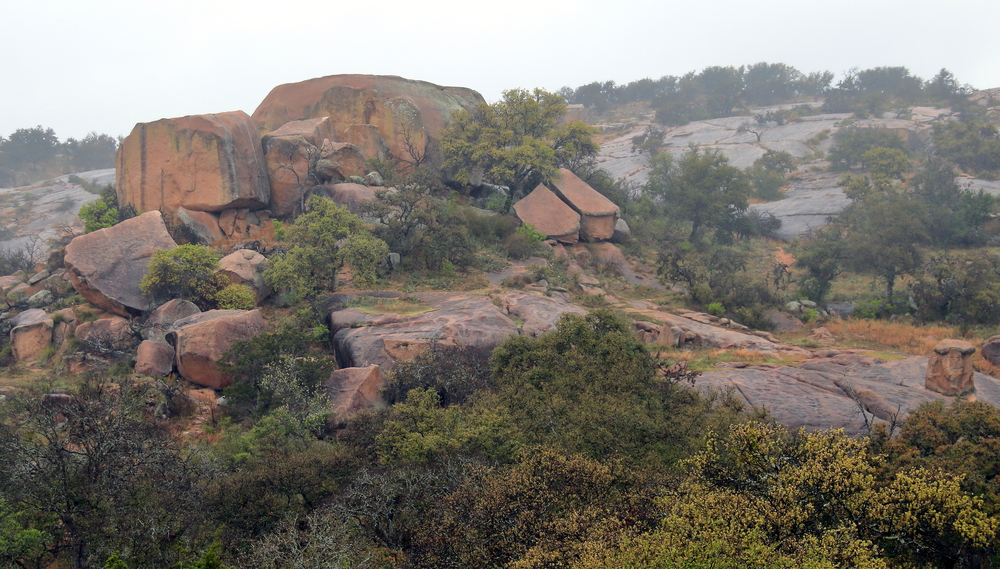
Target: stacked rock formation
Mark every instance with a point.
(571, 211)
(949, 368)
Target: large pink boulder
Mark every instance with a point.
(347, 194)
(154, 358)
(247, 268)
(106, 266)
(108, 336)
(549, 215)
(32, 333)
(355, 388)
(162, 319)
(409, 115)
(200, 162)
(598, 214)
(200, 341)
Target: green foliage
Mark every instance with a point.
(365, 255)
(852, 144)
(821, 256)
(768, 174)
(104, 212)
(702, 187)
(715, 309)
(516, 142)
(236, 297)
(882, 162)
(973, 146)
(959, 288)
(956, 215)
(312, 261)
(455, 373)
(22, 546)
(187, 272)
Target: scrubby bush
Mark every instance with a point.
(365, 255)
(186, 271)
(236, 297)
(104, 212)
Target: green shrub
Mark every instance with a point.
(186, 271)
(365, 255)
(236, 297)
(715, 309)
(104, 212)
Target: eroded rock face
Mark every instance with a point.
(387, 339)
(32, 333)
(162, 319)
(246, 267)
(409, 115)
(949, 368)
(200, 341)
(355, 388)
(538, 314)
(598, 214)
(107, 335)
(549, 215)
(106, 266)
(339, 161)
(203, 225)
(201, 162)
(991, 350)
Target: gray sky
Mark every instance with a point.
(104, 65)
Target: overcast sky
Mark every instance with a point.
(103, 65)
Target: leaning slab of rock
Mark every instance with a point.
(949, 368)
(409, 115)
(291, 153)
(598, 214)
(208, 162)
(203, 225)
(32, 333)
(246, 267)
(106, 266)
(549, 215)
(200, 341)
(387, 339)
(154, 358)
(339, 161)
(355, 388)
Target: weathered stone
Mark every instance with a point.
(991, 350)
(670, 336)
(41, 298)
(339, 161)
(949, 368)
(106, 266)
(246, 267)
(202, 162)
(200, 341)
(367, 138)
(38, 277)
(154, 358)
(9, 282)
(362, 339)
(409, 115)
(291, 153)
(355, 388)
(346, 194)
(783, 322)
(204, 225)
(598, 214)
(31, 333)
(233, 222)
(538, 314)
(623, 233)
(609, 256)
(106, 335)
(162, 320)
(549, 215)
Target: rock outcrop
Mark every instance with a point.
(538, 314)
(409, 115)
(162, 319)
(154, 358)
(362, 339)
(31, 333)
(598, 214)
(949, 368)
(106, 266)
(246, 267)
(200, 341)
(108, 336)
(201, 224)
(830, 389)
(355, 388)
(549, 215)
(208, 162)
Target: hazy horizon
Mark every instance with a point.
(106, 65)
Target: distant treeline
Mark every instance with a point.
(31, 154)
(723, 91)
